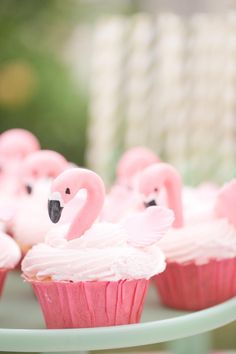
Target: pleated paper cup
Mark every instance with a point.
(3, 274)
(91, 303)
(196, 287)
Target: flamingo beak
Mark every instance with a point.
(29, 188)
(55, 207)
(151, 202)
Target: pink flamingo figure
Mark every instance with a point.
(134, 161)
(15, 145)
(41, 165)
(194, 251)
(30, 222)
(163, 176)
(123, 198)
(141, 229)
(191, 204)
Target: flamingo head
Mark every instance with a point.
(17, 144)
(133, 162)
(156, 181)
(151, 184)
(68, 184)
(62, 191)
(41, 165)
(226, 202)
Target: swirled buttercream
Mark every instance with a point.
(214, 239)
(102, 253)
(10, 253)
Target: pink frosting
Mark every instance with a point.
(104, 252)
(211, 232)
(214, 239)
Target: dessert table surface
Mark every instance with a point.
(23, 330)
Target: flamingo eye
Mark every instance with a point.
(67, 191)
(155, 189)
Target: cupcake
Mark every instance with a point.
(90, 274)
(201, 256)
(9, 257)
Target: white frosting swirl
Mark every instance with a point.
(102, 253)
(10, 253)
(214, 239)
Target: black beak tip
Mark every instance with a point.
(54, 210)
(150, 203)
(28, 189)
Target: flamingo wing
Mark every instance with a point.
(148, 227)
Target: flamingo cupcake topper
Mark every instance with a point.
(65, 187)
(37, 173)
(15, 145)
(40, 165)
(133, 162)
(158, 176)
(142, 228)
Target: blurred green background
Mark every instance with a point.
(38, 90)
(44, 90)
(44, 68)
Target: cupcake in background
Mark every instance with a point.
(9, 257)
(90, 273)
(31, 221)
(201, 256)
(15, 145)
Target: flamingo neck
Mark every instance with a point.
(173, 188)
(90, 210)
